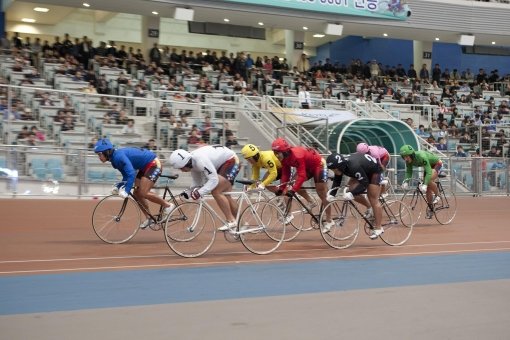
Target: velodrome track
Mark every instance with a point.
(59, 281)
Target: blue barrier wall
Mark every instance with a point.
(394, 51)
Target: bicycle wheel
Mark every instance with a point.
(190, 229)
(346, 220)
(415, 202)
(261, 228)
(446, 209)
(397, 222)
(116, 220)
(294, 219)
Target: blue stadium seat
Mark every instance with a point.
(95, 175)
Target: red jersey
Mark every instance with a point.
(307, 162)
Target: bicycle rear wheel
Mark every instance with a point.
(190, 229)
(446, 209)
(346, 220)
(415, 203)
(116, 220)
(397, 222)
(260, 228)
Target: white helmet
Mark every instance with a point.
(179, 158)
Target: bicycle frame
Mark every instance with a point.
(243, 197)
(154, 218)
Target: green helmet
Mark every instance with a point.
(406, 150)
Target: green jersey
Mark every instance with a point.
(425, 159)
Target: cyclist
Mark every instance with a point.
(431, 164)
(383, 158)
(218, 166)
(308, 164)
(364, 172)
(378, 152)
(128, 161)
(265, 160)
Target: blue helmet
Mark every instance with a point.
(103, 145)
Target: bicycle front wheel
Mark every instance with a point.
(397, 223)
(345, 229)
(261, 227)
(415, 203)
(190, 229)
(446, 209)
(116, 220)
(295, 218)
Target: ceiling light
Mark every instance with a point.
(494, 43)
(155, 13)
(437, 39)
(385, 34)
(305, 28)
(28, 20)
(318, 35)
(86, 4)
(41, 9)
(226, 20)
(261, 23)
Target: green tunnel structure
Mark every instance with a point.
(392, 134)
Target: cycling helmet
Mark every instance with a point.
(362, 148)
(249, 150)
(280, 145)
(336, 161)
(406, 150)
(103, 145)
(179, 159)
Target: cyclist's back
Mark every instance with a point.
(138, 158)
(215, 155)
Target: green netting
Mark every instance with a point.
(391, 134)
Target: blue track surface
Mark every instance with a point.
(76, 291)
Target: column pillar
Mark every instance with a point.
(422, 54)
(291, 53)
(149, 24)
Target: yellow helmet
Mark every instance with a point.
(249, 150)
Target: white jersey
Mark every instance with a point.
(206, 161)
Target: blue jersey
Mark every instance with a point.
(130, 160)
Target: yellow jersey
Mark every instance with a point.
(268, 161)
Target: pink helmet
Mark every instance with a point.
(362, 148)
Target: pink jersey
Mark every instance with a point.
(378, 152)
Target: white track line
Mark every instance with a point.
(242, 252)
(251, 261)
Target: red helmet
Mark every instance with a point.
(280, 145)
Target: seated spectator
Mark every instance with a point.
(60, 117)
(103, 103)
(466, 138)
(151, 145)
(205, 129)
(45, 100)
(102, 85)
(231, 141)
(23, 134)
(165, 112)
(113, 114)
(460, 152)
(494, 152)
(31, 140)
(68, 124)
(441, 145)
(26, 114)
(421, 131)
(39, 135)
(90, 89)
(129, 127)
(122, 119)
(139, 92)
(194, 136)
